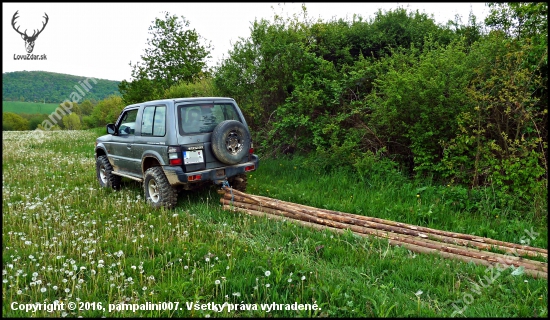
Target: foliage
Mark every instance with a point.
(416, 99)
(87, 106)
(519, 19)
(200, 88)
(106, 111)
(50, 87)
(34, 120)
(139, 90)
(301, 81)
(72, 122)
(502, 140)
(402, 88)
(174, 54)
(13, 122)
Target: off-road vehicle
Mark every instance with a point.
(176, 144)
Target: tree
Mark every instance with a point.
(87, 107)
(72, 122)
(174, 54)
(12, 121)
(520, 19)
(106, 111)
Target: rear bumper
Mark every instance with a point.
(176, 175)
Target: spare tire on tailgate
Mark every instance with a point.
(230, 141)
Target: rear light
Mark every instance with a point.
(249, 168)
(194, 177)
(174, 156)
(175, 162)
(251, 150)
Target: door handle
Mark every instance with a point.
(129, 146)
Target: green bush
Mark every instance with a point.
(14, 122)
(200, 88)
(501, 140)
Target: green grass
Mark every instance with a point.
(28, 107)
(65, 239)
(394, 197)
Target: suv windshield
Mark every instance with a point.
(204, 117)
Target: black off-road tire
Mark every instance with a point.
(230, 141)
(238, 182)
(158, 191)
(104, 174)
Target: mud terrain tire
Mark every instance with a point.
(158, 191)
(104, 173)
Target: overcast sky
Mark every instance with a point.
(100, 39)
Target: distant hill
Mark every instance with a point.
(42, 86)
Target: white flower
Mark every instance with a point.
(217, 282)
(267, 273)
(42, 289)
(303, 278)
(418, 293)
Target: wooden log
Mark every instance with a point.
(356, 220)
(470, 252)
(412, 247)
(486, 242)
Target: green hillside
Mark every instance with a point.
(28, 107)
(50, 87)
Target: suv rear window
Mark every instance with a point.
(204, 117)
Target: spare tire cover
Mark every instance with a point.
(230, 141)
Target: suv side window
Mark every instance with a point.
(154, 121)
(128, 123)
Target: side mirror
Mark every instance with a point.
(111, 128)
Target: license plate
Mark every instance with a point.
(190, 157)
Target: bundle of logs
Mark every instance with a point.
(465, 247)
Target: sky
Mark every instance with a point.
(99, 40)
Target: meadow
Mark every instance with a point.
(68, 242)
(28, 107)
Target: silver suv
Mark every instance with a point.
(176, 144)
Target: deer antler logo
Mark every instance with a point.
(29, 41)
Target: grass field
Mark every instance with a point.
(28, 107)
(68, 242)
